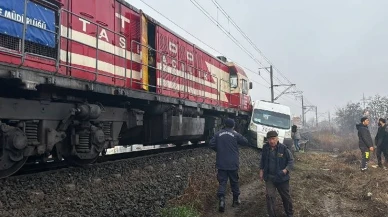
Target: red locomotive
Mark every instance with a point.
(80, 76)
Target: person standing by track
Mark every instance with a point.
(381, 141)
(295, 135)
(275, 165)
(365, 142)
(225, 143)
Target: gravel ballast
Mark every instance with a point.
(134, 187)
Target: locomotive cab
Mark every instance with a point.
(239, 86)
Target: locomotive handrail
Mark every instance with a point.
(21, 51)
(230, 103)
(98, 27)
(56, 33)
(156, 68)
(161, 69)
(24, 34)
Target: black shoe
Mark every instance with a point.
(221, 206)
(236, 202)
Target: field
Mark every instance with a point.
(323, 183)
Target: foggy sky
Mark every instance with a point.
(334, 51)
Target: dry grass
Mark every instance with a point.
(328, 141)
(324, 184)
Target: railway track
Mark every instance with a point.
(40, 167)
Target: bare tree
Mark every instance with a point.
(348, 117)
(377, 108)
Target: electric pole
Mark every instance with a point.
(329, 118)
(271, 76)
(316, 114)
(289, 86)
(303, 119)
(363, 99)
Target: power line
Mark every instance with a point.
(248, 39)
(225, 31)
(212, 48)
(195, 3)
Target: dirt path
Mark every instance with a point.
(249, 197)
(321, 185)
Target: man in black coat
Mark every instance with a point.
(275, 165)
(225, 143)
(381, 141)
(365, 142)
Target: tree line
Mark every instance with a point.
(373, 107)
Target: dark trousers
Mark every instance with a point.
(284, 191)
(222, 177)
(365, 154)
(379, 150)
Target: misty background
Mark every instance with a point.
(334, 51)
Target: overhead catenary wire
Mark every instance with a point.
(226, 32)
(215, 50)
(209, 46)
(248, 39)
(230, 20)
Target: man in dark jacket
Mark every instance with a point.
(275, 165)
(381, 141)
(225, 143)
(365, 142)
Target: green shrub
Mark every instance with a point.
(180, 211)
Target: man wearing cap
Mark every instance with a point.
(275, 165)
(364, 142)
(225, 143)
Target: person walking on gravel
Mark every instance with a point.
(295, 135)
(275, 165)
(225, 143)
(381, 141)
(365, 142)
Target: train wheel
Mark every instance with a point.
(13, 142)
(9, 168)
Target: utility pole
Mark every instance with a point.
(303, 122)
(329, 119)
(273, 98)
(316, 114)
(363, 99)
(271, 76)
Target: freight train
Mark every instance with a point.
(80, 76)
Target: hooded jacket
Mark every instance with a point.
(381, 138)
(364, 137)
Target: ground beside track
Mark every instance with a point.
(322, 185)
(136, 187)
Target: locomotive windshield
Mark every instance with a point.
(233, 81)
